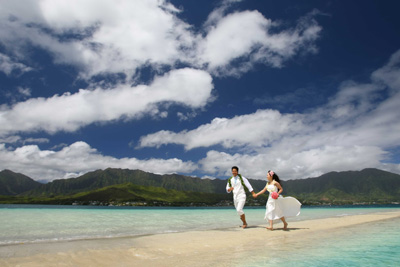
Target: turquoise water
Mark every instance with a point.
(371, 244)
(42, 223)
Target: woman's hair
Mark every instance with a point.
(275, 177)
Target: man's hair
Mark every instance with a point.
(235, 167)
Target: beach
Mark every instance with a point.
(218, 247)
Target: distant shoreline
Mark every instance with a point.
(204, 206)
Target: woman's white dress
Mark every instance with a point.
(282, 206)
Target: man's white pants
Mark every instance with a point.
(239, 204)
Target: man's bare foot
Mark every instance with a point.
(270, 228)
(285, 226)
(244, 226)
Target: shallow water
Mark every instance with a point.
(370, 244)
(43, 223)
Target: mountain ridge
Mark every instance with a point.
(365, 186)
(12, 183)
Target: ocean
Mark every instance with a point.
(370, 244)
(375, 244)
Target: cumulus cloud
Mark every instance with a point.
(260, 128)
(77, 159)
(208, 177)
(35, 140)
(355, 129)
(15, 139)
(10, 139)
(8, 66)
(69, 112)
(98, 36)
(251, 38)
(103, 37)
(295, 163)
(187, 116)
(389, 74)
(26, 92)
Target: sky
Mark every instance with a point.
(195, 87)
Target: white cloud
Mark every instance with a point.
(10, 139)
(248, 36)
(69, 112)
(16, 95)
(354, 130)
(295, 163)
(109, 37)
(26, 92)
(258, 129)
(389, 74)
(234, 36)
(77, 159)
(7, 65)
(208, 177)
(103, 37)
(187, 116)
(35, 140)
(15, 139)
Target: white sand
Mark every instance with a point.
(198, 248)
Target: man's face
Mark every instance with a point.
(234, 172)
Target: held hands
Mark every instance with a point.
(230, 189)
(254, 194)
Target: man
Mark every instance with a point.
(237, 183)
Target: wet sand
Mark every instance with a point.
(223, 247)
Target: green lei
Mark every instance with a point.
(241, 180)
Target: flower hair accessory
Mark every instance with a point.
(271, 173)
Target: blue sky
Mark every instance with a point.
(195, 87)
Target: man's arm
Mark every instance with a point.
(248, 185)
(228, 189)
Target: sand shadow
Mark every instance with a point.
(290, 229)
(252, 226)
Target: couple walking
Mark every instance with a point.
(278, 207)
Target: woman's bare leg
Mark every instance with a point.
(285, 224)
(270, 225)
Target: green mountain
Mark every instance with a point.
(121, 185)
(101, 178)
(126, 194)
(368, 185)
(12, 183)
(104, 186)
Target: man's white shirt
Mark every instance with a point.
(238, 190)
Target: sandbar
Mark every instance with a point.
(221, 247)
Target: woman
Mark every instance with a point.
(282, 206)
